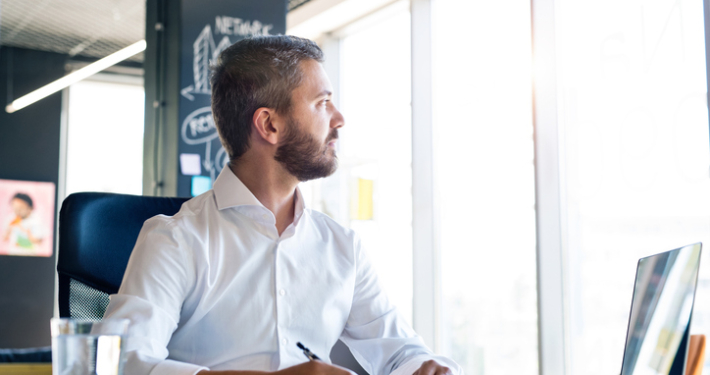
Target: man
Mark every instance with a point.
(242, 273)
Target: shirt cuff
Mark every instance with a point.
(413, 364)
(170, 367)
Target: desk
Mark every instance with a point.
(26, 369)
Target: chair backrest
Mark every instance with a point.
(97, 232)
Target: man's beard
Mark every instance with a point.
(303, 156)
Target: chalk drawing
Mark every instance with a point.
(236, 26)
(198, 127)
(205, 51)
(201, 49)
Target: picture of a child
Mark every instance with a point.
(24, 232)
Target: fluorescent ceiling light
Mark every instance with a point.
(75, 77)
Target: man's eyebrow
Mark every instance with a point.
(324, 93)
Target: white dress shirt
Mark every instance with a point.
(216, 287)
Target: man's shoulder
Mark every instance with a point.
(190, 212)
(325, 222)
(324, 219)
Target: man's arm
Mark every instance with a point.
(156, 281)
(379, 337)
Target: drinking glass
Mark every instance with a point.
(87, 347)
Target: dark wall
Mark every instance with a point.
(29, 150)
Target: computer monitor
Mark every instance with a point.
(661, 312)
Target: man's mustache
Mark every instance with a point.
(332, 136)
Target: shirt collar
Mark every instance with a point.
(230, 191)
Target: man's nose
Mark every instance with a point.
(338, 120)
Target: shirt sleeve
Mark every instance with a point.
(155, 284)
(378, 336)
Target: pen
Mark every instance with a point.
(307, 352)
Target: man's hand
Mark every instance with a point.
(430, 367)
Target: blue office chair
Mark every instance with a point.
(97, 232)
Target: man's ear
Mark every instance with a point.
(263, 123)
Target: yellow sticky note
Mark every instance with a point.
(364, 199)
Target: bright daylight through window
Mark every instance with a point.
(636, 159)
(485, 176)
(113, 113)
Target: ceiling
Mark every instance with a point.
(92, 28)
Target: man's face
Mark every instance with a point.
(21, 208)
(307, 150)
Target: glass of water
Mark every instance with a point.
(86, 347)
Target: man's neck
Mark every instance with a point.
(274, 189)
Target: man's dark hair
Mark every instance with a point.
(252, 73)
(24, 197)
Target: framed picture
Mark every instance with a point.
(26, 218)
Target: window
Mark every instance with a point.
(483, 157)
(633, 117)
(375, 102)
(105, 136)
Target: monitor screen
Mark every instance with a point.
(661, 310)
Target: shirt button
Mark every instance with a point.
(265, 216)
(282, 292)
(284, 341)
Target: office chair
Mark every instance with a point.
(97, 232)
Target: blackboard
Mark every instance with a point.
(207, 28)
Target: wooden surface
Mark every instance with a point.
(26, 368)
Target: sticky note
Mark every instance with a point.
(190, 164)
(200, 184)
(362, 200)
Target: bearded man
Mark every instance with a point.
(241, 274)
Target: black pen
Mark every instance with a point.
(307, 352)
